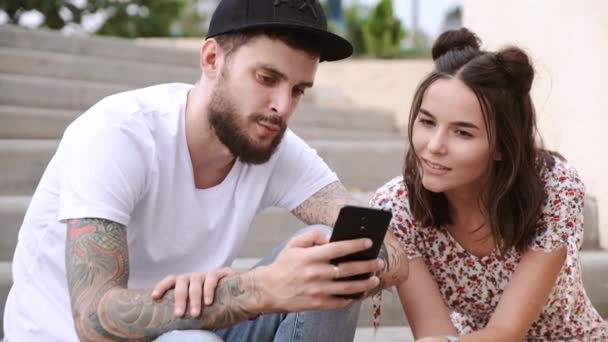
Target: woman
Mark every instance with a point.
(491, 222)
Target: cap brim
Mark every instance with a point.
(332, 46)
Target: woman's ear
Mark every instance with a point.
(497, 155)
(210, 58)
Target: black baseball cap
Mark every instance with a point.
(300, 15)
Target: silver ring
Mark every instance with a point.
(336, 272)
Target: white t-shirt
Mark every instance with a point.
(126, 160)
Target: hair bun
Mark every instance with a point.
(455, 40)
(517, 66)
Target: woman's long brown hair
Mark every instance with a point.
(513, 192)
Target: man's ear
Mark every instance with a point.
(211, 58)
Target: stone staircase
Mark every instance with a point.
(46, 80)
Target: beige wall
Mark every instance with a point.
(388, 85)
(568, 41)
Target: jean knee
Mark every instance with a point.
(189, 336)
(320, 227)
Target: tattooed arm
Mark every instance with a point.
(97, 264)
(323, 208)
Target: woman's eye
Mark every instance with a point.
(463, 133)
(426, 122)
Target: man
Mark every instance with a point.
(167, 180)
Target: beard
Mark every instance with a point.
(231, 127)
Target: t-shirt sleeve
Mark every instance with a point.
(393, 197)
(103, 169)
(298, 174)
(561, 222)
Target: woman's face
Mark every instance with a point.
(450, 138)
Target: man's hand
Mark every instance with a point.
(191, 287)
(302, 277)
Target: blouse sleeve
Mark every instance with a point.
(561, 223)
(393, 197)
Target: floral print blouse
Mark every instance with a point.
(471, 286)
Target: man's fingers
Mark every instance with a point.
(352, 268)
(351, 286)
(209, 287)
(308, 239)
(181, 295)
(163, 286)
(338, 249)
(211, 282)
(195, 293)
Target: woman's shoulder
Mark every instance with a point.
(392, 192)
(561, 177)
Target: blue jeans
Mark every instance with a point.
(315, 326)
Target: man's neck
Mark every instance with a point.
(211, 160)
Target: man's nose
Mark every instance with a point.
(282, 103)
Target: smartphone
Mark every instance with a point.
(360, 222)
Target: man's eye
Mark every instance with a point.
(265, 79)
(298, 92)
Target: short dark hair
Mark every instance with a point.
(513, 191)
(304, 41)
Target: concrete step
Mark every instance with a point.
(96, 69)
(77, 96)
(269, 229)
(17, 122)
(384, 334)
(41, 92)
(309, 133)
(6, 280)
(12, 211)
(22, 162)
(95, 46)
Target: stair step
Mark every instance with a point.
(79, 95)
(95, 46)
(12, 211)
(95, 69)
(33, 91)
(268, 230)
(18, 122)
(384, 334)
(22, 162)
(6, 280)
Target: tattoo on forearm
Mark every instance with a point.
(396, 267)
(324, 205)
(98, 269)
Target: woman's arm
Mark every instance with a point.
(426, 311)
(524, 298)
(520, 305)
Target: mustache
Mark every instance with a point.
(271, 119)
